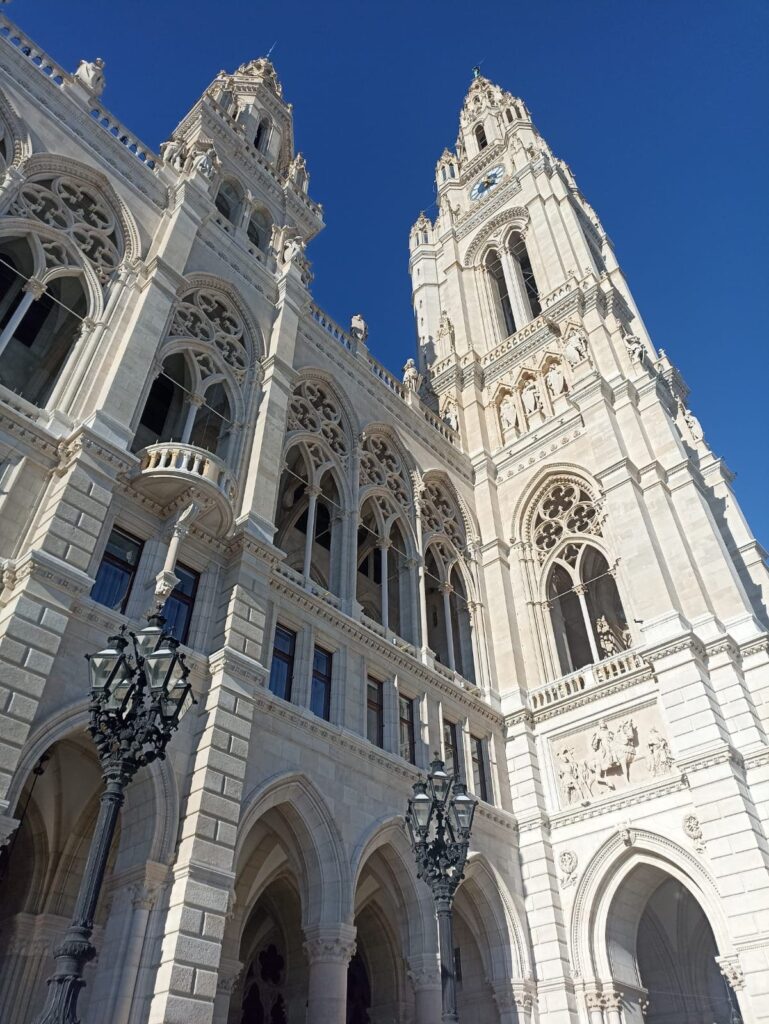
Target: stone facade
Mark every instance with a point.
(523, 555)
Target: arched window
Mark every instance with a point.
(500, 294)
(259, 229)
(527, 285)
(228, 201)
(180, 407)
(452, 171)
(308, 523)
(385, 581)
(262, 137)
(38, 329)
(443, 173)
(480, 137)
(589, 621)
(509, 115)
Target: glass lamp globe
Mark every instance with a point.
(111, 674)
(463, 806)
(440, 783)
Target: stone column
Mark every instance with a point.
(329, 949)
(446, 590)
(425, 976)
(309, 539)
(203, 875)
(384, 566)
(143, 898)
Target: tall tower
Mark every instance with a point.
(615, 559)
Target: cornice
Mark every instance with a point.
(40, 565)
(609, 805)
(597, 692)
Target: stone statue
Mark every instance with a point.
(555, 380)
(607, 641)
(358, 327)
(627, 638)
(174, 153)
(412, 378)
(450, 416)
(297, 172)
(635, 348)
(694, 425)
(90, 73)
(660, 758)
(575, 349)
(446, 330)
(530, 395)
(205, 163)
(602, 742)
(508, 416)
(571, 776)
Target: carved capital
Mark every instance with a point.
(35, 287)
(424, 971)
(335, 945)
(731, 969)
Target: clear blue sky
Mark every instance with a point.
(660, 107)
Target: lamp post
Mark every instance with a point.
(439, 820)
(139, 692)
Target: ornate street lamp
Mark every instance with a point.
(439, 820)
(139, 692)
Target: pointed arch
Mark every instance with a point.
(608, 868)
(486, 901)
(535, 490)
(42, 165)
(158, 778)
(18, 145)
(325, 881)
(385, 839)
(252, 335)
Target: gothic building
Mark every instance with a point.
(523, 555)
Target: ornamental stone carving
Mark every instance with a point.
(575, 348)
(330, 947)
(440, 515)
(315, 410)
(358, 328)
(381, 466)
(568, 862)
(412, 378)
(508, 415)
(79, 211)
(209, 316)
(693, 829)
(565, 508)
(610, 756)
(90, 73)
(731, 969)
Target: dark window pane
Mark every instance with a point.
(282, 667)
(406, 722)
(180, 602)
(480, 786)
(320, 691)
(450, 747)
(375, 712)
(115, 575)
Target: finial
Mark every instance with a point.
(477, 71)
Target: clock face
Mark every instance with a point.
(487, 182)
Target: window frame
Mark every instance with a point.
(185, 599)
(325, 679)
(409, 722)
(453, 745)
(378, 709)
(480, 774)
(285, 658)
(110, 559)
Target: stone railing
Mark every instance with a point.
(15, 37)
(171, 458)
(118, 131)
(380, 372)
(563, 689)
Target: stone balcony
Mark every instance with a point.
(627, 665)
(169, 469)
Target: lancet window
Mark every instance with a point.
(41, 315)
(229, 200)
(586, 613)
(480, 137)
(446, 581)
(500, 294)
(197, 397)
(386, 578)
(258, 230)
(512, 286)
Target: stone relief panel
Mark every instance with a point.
(611, 754)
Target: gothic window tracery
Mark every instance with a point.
(80, 212)
(209, 316)
(565, 509)
(313, 409)
(382, 466)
